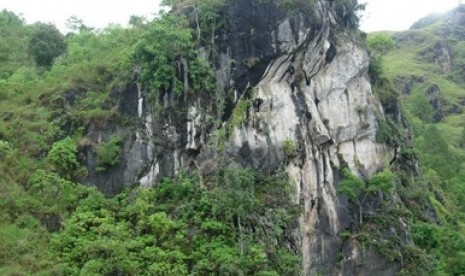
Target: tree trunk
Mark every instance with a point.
(240, 233)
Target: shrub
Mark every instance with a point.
(425, 235)
(382, 181)
(56, 193)
(290, 148)
(351, 185)
(239, 114)
(5, 147)
(62, 156)
(108, 153)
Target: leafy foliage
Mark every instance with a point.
(108, 152)
(239, 114)
(290, 148)
(163, 53)
(14, 36)
(177, 228)
(358, 190)
(62, 156)
(382, 181)
(46, 43)
(57, 193)
(412, 68)
(351, 185)
(199, 225)
(379, 45)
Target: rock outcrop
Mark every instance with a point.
(295, 80)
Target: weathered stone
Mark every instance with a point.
(304, 86)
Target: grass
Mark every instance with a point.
(408, 60)
(441, 158)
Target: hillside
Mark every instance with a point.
(244, 137)
(427, 68)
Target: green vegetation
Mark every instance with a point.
(436, 118)
(239, 113)
(62, 156)
(379, 45)
(46, 43)
(179, 227)
(14, 37)
(54, 90)
(383, 226)
(166, 48)
(108, 153)
(290, 148)
(358, 191)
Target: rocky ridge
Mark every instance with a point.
(298, 84)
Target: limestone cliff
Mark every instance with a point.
(294, 95)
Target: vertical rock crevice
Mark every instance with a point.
(306, 75)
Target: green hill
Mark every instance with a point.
(233, 138)
(427, 69)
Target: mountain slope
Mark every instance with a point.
(427, 68)
(229, 137)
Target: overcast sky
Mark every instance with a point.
(397, 15)
(379, 15)
(94, 13)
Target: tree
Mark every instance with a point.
(76, 24)
(46, 44)
(159, 51)
(137, 21)
(63, 156)
(168, 59)
(13, 43)
(235, 197)
(379, 45)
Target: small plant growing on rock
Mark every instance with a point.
(357, 190)
(361, 110)
(290, 148)
(108, 153)
(345, 235)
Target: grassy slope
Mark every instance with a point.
(409, 61)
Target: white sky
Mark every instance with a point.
(379, 15)
(397, 15)
(94, 13)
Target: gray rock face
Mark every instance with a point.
(440, 55)
(330, 114)
(435, 98)
(304, 77)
